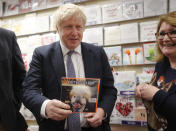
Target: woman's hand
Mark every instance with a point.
(146, 91)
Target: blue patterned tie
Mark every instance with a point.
(73, 119)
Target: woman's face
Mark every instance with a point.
(167, 40)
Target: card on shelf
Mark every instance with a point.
(129, 33)
(132, 9)
(172, 5)
(140, 114)
(38, 4)
(25, 6)
(11, 7)
(48, 38)
(149, 53)
(112, 35)
(112, 12)
(42, 23)
(53, 3)
(125, 81)
(155, 7)
(93, 14)
(123, 109)
(114, 55)
(133, 55)
(148, 30)
(93, 36)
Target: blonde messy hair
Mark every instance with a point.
(169, 18)
(67, 11)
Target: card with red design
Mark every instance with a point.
(123, 109)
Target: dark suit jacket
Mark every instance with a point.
(12, 73)
(46, 70)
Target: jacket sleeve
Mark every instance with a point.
(18, 70)
(32, 85)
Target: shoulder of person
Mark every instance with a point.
(5, 32)
(48, 48)
(92, 47)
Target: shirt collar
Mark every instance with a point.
(65, 50)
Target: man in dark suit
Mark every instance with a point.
(12, 73)
(42, 85)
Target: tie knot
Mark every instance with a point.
(70, 53)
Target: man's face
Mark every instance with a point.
(71, 32)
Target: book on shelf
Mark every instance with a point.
(132, 9)
(148, 30)
(80, 93)
(133, 55)
(114, 55)
(149, 53)
(155, 7)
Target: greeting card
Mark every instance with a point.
(112, 12)
(124, 108)
(25, 6)
(148, 30)
(125, 82)
(112, 35)
(129, 33)
(93, 14)
(114, 55)
(11, 7)
(80, 93)
(133, 55)
(48, 38)
(172, 5)
(140, 114)
(132, 9)
(38, 4)
(93, 36)
(155, 7)
(149, 53)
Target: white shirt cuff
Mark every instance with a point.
(43, 108)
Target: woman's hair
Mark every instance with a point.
(66, 11)
(169, 18)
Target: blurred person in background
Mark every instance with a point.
(12, 73)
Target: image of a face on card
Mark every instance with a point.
(79, 96)
(80, 93)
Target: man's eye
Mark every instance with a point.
(173, 32)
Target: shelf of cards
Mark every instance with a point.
(18, 7)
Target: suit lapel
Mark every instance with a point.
(58, 62)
